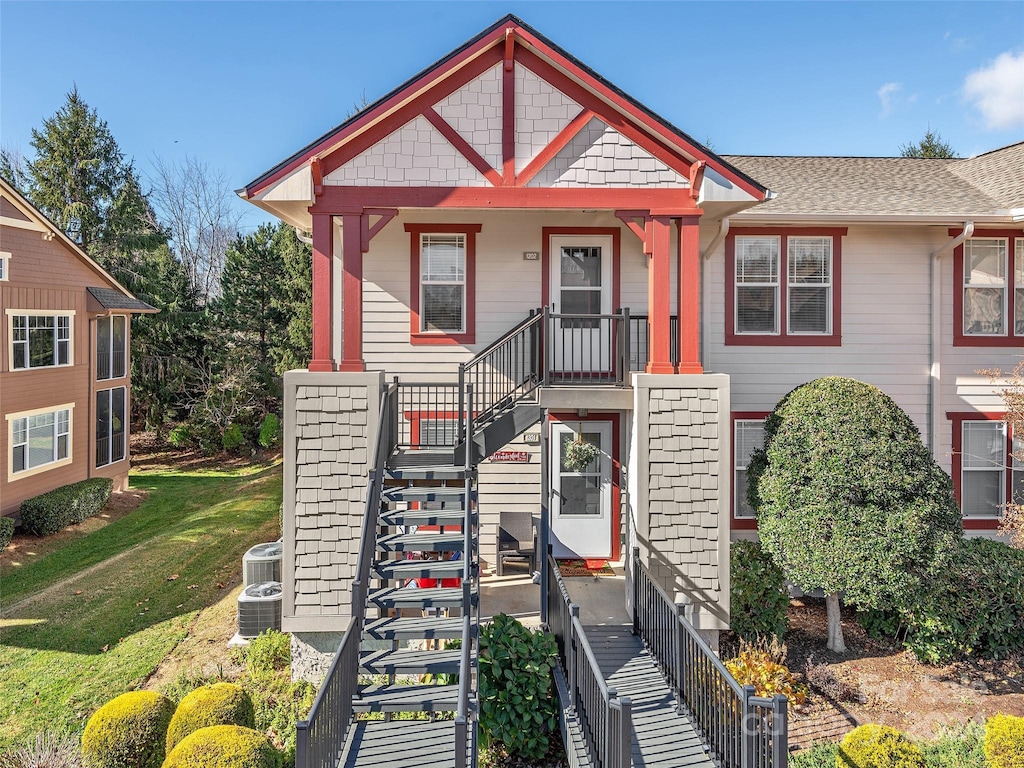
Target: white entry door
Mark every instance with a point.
(581, 285)
(581, 500)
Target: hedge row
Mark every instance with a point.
(64, 506)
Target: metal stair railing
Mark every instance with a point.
(320, 738)
(465, 720)
(739, 728)
(606, 719)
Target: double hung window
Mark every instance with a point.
(748, 437)
(442, 300)
(987, 467)
(989, 291)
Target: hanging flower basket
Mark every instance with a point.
(579, 455)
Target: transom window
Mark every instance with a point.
(40, 341)
(989, 298)
(40, 439)
(111, 347)
(748, 437)
(782, 287)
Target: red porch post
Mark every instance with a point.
(659, 297)
(323, 255)
(689, 294)
(352, 292)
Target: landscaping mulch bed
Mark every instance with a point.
(881, 682)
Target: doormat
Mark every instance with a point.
(570, 568)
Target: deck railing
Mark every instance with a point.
(638, 341)
(427, 414)
(320, 737)
(605, 718)
(582, 350)
(740, 729)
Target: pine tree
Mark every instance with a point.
(295, 301)
(931, 146)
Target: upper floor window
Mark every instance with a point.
(782, 287)
(443, 264)
(986, 469)
(111, 347)
(40, 439)
(989, 294)
(40, 341)
(5, 265)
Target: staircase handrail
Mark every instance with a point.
(465, 722)
(739, 728)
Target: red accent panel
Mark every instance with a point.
(659, 297)
(359, 144)
(740, 523)
(782, 339)
(462, 146)
(689, 295)
(545, 258)
(961, 339)
(416, 336)
(352, 289)
(956, 468)
(337, 199)
(555, 146)
(616, 470)
(323, 242)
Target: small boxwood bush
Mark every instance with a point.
(64, 506)
(217, 704)
(975, 606)
(224, 746)
(518, 707)
(128, 732)
(6, 532)
(878, 746)
(270, 431)
(1004, 741)
(757, 593)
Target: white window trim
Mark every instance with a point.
(777, 286)
(124, 431)
(110, 320)
(462, 283)
(1007, 281)
(11, 417)
(5, 266)
(738, 467)
(12, 313)
(828, 285)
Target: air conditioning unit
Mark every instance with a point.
(259, 608)
(262, 563)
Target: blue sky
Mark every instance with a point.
(242, 85)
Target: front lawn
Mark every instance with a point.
(95, 617)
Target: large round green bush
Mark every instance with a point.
(224, 746)
(217, 704)
(1004, 741)
(128, 732)
(757, 593)
(878, 746)
(6, 532)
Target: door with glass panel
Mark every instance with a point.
(581, 285)
(581, 498)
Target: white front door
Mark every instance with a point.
(581, 284)
(581, 499)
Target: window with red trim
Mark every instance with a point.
(748, 436)
(986, 470)
(783, 286)
(443, 283)
(988, 293)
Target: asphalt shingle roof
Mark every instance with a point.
(988, 184)
(111, 299)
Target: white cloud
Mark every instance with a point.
(997, 91)
(887, 94)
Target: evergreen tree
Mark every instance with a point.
(931, 146)
(295, 301)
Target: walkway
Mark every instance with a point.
(662, 737)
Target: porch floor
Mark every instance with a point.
(662, 737)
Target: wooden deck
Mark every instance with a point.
(662, 737)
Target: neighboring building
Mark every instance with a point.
(65, 369)
(508, 178)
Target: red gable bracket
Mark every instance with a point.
(643, 231)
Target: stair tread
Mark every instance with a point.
(421, 542)
(401, 743)
(417, 627)
(429, 569)
(407, 698)
(425, 517)
(410, 661)
(401, 597)
(425, 493)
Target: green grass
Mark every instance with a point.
(952, 748)
(67, 652)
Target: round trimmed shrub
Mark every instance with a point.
(224, 746)
(758, 596)
(6, 532)
(878, 746)
(1004, 741)
(128, 732)
(217, 704)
